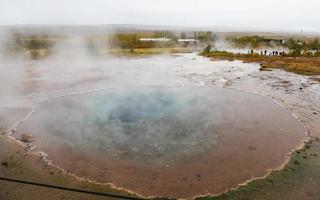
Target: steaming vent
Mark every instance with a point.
(141, 122)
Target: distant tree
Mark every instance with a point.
(183, 36)
(210, 36)
(207, 49)
(315, 45)
(252, 41)
(195, 35)
(295, 46)
(206, 37)
(33, 43)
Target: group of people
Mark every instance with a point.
(271, 53)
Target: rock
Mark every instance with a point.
(265, 69)
(296, 162)
(228, 83)
(285, 82)
(4, 163)
(252, 148)
(26, 138)
(199, 176)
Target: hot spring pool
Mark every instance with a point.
(164, 141)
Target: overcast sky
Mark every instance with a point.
(268, 14)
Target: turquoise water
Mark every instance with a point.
(144, 121)
(138, 105)
(153, 122)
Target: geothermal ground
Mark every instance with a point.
(175, 126)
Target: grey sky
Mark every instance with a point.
(270, 14)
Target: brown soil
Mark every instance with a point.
(19, 163)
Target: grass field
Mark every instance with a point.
(300, 65)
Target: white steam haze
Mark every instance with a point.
(280, 15)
